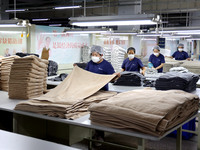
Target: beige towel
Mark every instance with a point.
(78, 85)
(149, 111)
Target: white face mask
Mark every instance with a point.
(95, 59)
(180, 49)
(156, 54)
(131, 56)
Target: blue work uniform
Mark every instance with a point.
(157, 61)
(102, 68)
(180, 55)
(132, 65)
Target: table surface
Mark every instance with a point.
(13, 141)
(8, 105)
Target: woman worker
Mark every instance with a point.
(132, 63)
(157, 59)
(99, 65)
(180, 54)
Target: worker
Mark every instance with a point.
(98, 64)
(132, 63)
(157, 59)
(180, 54)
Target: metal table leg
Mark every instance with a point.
(141, 144)
(90, 140)
(179, 139)
(198, 132)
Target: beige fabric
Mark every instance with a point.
(192, 66)
(63, 110)
(153, 112)
(27, 78)
(78, 85)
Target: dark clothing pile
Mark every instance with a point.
(149, 83)
(81, 65)
(177, 80)
(128, 78)
(61, 77)
(52, 68)
(25, 54)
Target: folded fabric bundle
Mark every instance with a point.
(178, 69)
(68, 111)
(78, 85)
(149, 111)
(128, 78)
(71, 98)
(61, 77)
(192, 66)
(177, 80)
(5, 71)
(27, 77)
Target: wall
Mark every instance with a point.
(10, 38)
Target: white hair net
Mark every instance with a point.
(96, 48)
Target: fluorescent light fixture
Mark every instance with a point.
(147, 39)
(12, 32)
(192, 39)
(148, 34)
(68, 7)
(178, 36)
(114, 23)
(125, 20)
(55, 25)
(87, 31)
(17, 10)
(9, 25)
(42, 19)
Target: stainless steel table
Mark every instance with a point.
(8, 105)
(12, 141)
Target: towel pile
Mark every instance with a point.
(5, 71)
(27, 77)
(128, 78)
(71, 97)
(72, 110)
(149, 111)
(177, 80)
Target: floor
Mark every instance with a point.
(168, 143)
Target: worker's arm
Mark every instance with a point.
(161, 65)
(143, 70)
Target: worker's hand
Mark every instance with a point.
(188, 59)
(117, 74)
(74, 64)
(143, 72)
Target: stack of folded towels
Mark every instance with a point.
(27, 77)
(5, 71)
(149, 111)
(177, 80)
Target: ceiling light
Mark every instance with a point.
(177, 36)
(55, 25)
(87, 31)
(42, 19)
(192, 39)
(148, 34)
(68, 7)
(120, 20)
(17, 10)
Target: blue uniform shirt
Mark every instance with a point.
(133, 65)
(102, 68)
(180, 55)
(157, 61)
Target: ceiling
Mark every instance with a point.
(173, 14)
